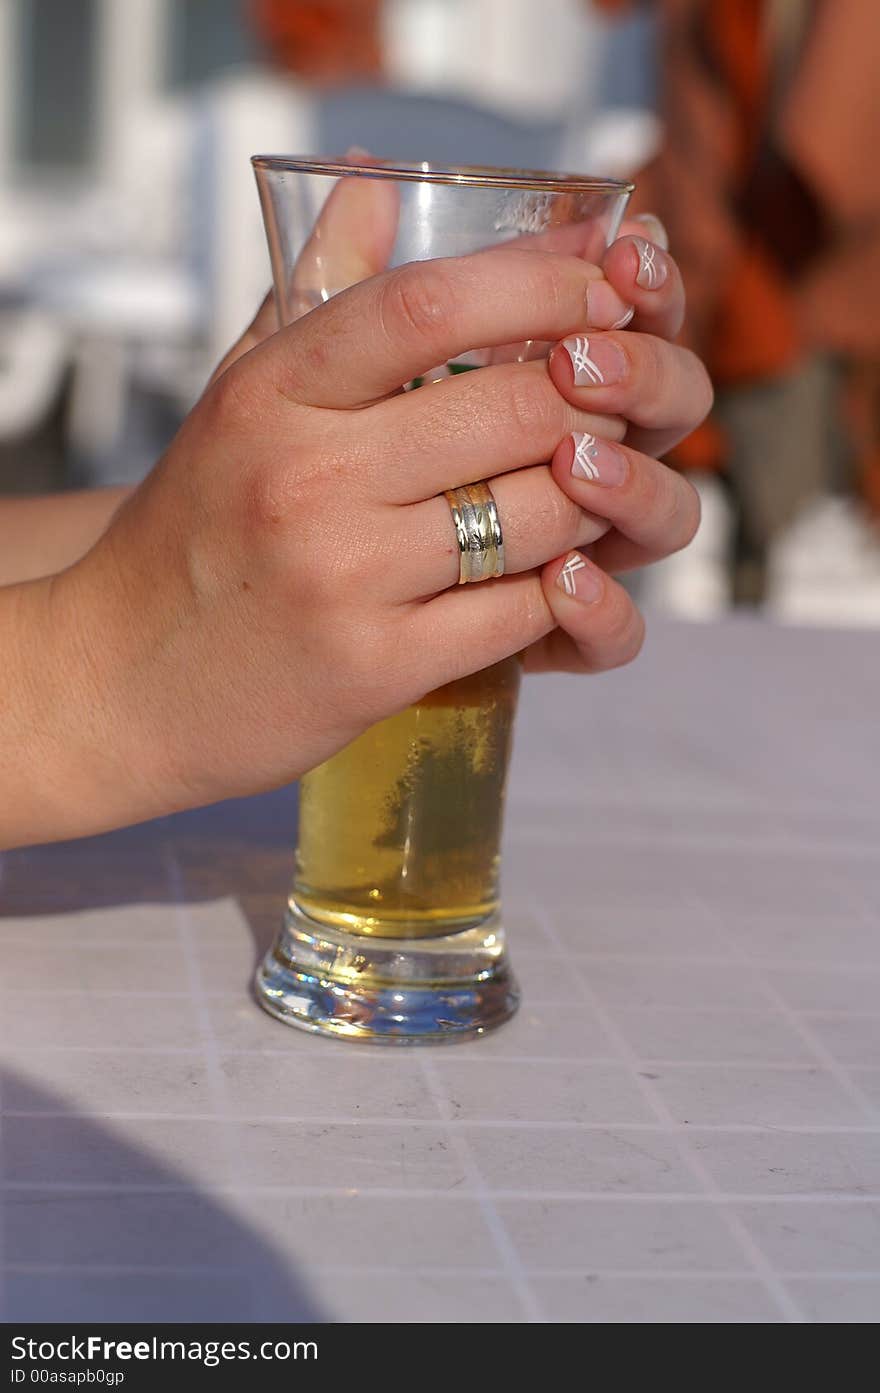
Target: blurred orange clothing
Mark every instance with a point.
(322, 40)
(769, 183)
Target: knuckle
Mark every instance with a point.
(529, 617)
(539, 520)
(534, 408)
(418, 300)
(266, 499)
(312, 363)
(549, 284)
(646, 488)
(666, 507)
(668, 504)
(279, 488)
(223, 404)
(700, 391)
(674, 509)
(525, 615)
(554, 515)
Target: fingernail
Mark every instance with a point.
(654, 228)
(596, 362)
(597, 460)
(579, 579)
(653, 265)
(605, 308)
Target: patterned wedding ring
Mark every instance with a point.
(478, 530)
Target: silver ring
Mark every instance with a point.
(478, 532)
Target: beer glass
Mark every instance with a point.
(393, 931)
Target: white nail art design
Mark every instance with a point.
(625, 318)
(585, 369)
(586, 450)
(566, 575)
(649, 272)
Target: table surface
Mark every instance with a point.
(681, 1124)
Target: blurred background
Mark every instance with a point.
(132, 252)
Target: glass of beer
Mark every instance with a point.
(393, 931)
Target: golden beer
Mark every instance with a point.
(399, 833)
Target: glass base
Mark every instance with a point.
(393, 991)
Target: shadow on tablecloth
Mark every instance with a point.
(97, 1226)
(241, 849)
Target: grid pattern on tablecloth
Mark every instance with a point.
(612, 1154)
(682, 1123)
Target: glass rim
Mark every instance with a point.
(463, 176)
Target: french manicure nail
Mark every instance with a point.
(653, 265)
(596, 362)
(655, 229)
(597, 460)
(579, 579)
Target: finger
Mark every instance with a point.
(587, 240)
(352, 239)
(538, 521)
(654, 510)
(646, 277)
(661, 388)
(471, 627)
(385, 331)
(468, 427)
(599, 625)
(555, 652)
(618, 301)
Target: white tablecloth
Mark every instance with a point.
(682, 1123)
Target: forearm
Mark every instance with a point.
(70, 763)
(42, 535)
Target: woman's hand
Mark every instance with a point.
(662, 392)
(287, 574)
(640, 511)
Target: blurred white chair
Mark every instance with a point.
(528, 61)
(825, 569)
(237, 116)
(127, 301)
(618, 142)
(33, 356)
